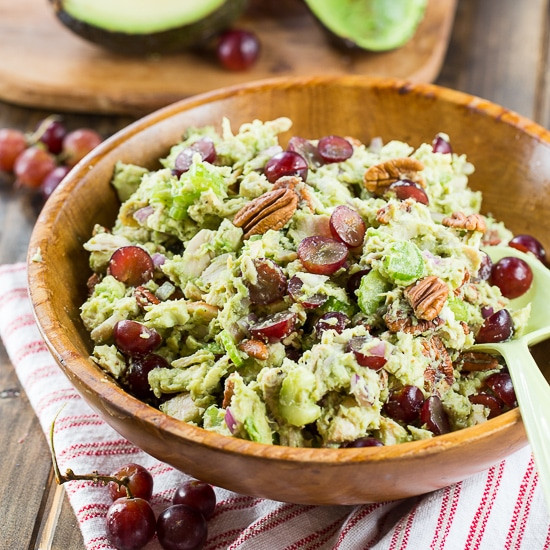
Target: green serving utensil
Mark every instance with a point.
(532, 389)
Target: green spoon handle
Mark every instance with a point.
(533, 396)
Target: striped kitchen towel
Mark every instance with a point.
(500, 508)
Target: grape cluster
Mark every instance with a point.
(40, 160)
(131, 521)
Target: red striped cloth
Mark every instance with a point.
(501, 508)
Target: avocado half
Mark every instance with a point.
(376, 25)
(145, 26)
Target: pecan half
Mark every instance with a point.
(292, 182)
(475, 361)
(379, 177)
(440, 373)
(255, 348)
(145, 297)
(427, 297)
(410, 326)
(272, 210)
(470, 222)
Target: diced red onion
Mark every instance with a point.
(487, 311)
(158, 259)
(379, 349)
(359, 389)
(230, 420)
(143, 213)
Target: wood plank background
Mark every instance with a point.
(499, 50)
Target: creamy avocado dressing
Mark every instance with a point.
(325, 378)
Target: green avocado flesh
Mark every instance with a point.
(144, 26)
(375, 25)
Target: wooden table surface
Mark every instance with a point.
(499, 50)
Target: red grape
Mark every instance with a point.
(305, 149)
(32, 166)
(294, 289)
(130, 523)
(404, 404)
(237, 49)
(434, 416)
(441, 145)
(334, 149)
(135, 339)
(181, 527)
(275, 327)
(12, 144)
(78, 143)
(137, 376)
(197, 494)
(354, 281)
(52, 180)
(496, 328)
(131, 265)
(347, 225)
(364, 442)
(490, 401)
(501, 385)
(322, 255)
(204, 146)
(285, 163)
(270, 284)
(371, 360)
(51, 132)
(486, 267)
(527, 243)
(334, 320)
(141, 482)
(512, 275)
(407, 189)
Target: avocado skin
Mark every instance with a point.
(163, 42)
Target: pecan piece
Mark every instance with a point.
(255, 348)
(427, 297)
(470, 222)
(409, 326)
(379, 177)
(292, 182)
(440, 373)
(228, 391)
(91, 282)
(145, 297)
(474, 361)
(272, 210)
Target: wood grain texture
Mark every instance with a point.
(366, 108)
(44, 64)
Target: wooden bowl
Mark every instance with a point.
(512, 159)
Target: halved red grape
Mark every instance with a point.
(496, 328)
(334, 149)
(489, 401)
(440, 144)
(322, 255)
(181, 527)
(12, 144)
(527, 243)
(434, 416)
(141, 482)
(51, 132)
(196, 494)
(364, 442)
(206, 149)
(285, 163)
(270, 284)
(137, 376)
(131, 265)
(32, 166)
(404, 404)
(407, 189)
(134, 338)
(512, 275)
(294, 289)
(501, 385)
(275, 327)
(347, 226)
(130, 523)
(237, 49)
(373, 359)
(485, 268)
(52, 180)
(305, 149)
(333, 320)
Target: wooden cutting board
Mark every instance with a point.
(43, 64)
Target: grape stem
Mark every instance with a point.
(95, 476)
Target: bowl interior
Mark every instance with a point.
(512, 160)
